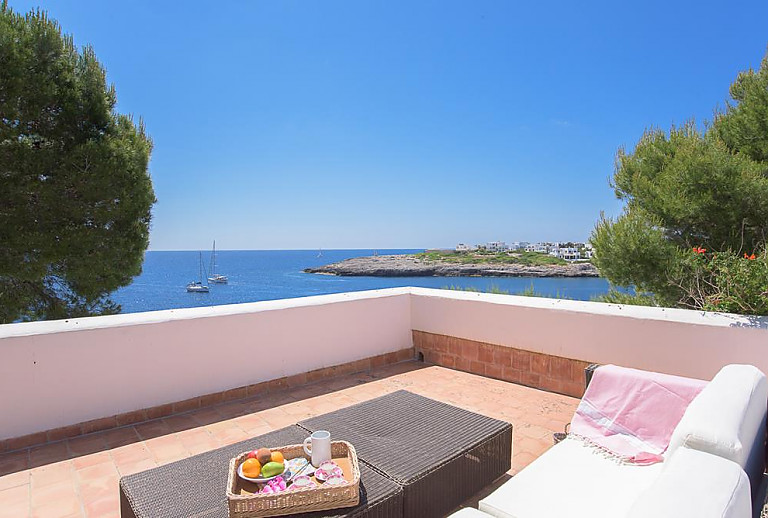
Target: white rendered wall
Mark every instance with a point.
(675, 341)
(58, 373)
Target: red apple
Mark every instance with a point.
(252, 455)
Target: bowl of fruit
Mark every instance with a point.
(262, 466)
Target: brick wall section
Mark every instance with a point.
(537, 370)
(187, 405)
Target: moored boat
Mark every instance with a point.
(216, 278)
(198, 286)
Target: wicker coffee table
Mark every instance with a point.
(440, 454)
(195, 487)
(418, 458)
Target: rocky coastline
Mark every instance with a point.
(410, 266)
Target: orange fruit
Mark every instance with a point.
(251, 468)
(277, 457)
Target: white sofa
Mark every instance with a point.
(719, 440)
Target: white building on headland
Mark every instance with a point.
(568, 250)
(567, 253)
(540, 248)
(496, 246)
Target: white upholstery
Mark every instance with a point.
(468, 512)
(694, 484)
(720, 436)
(728, 419)
(572, 480)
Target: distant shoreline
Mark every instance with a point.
(411, 266)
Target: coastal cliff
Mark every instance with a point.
(410, 266)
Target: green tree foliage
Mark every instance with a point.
(743, 127)
(75, 193)
(695, 202)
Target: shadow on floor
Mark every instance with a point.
(96, 442)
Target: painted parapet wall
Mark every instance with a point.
(55, 374)
(683, 342)
(59, 373)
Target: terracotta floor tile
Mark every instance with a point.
(202, 447)
(60, 509)
(233, 409)
(15, 502)
(521, 460)
(298, 410)
(205, 416)
(96, 472)
(274, 399)
(18, 478)
(103, 507)
(259, 430)
(130, 468)
(97, 488)
(152, 429)
(51, 474)
(14, 461)
(167, 449)
(130, 454)
(92, 459)
(197, 440)
(60, 492)
(177, 423)
(307, 391)
(227, 433)
(250, 421)
(277, 417)
(17, 510)
(48, 453)
(87, 444)
(121, 436)
(193, 435)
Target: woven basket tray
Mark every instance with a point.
(321, 498)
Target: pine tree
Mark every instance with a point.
(694, 228)
(75, 192)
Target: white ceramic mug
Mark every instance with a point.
(320, 451)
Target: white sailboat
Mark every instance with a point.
(198, 286)
(216, 278)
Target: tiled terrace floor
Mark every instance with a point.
(79, 477)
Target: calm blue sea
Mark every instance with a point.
(276, 274)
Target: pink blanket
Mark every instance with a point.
(632, 413)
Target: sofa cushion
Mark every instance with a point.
(728, 419)
(570, 479)
(694, 484)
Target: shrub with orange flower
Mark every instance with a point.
(725, 281)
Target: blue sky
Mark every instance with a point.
(387, 124)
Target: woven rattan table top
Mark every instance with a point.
(405, 435)
(400, 438)
(195, 487)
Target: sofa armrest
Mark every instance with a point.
(728, 419)
(695, 484)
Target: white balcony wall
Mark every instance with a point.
(59, 373)
(675, 341)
